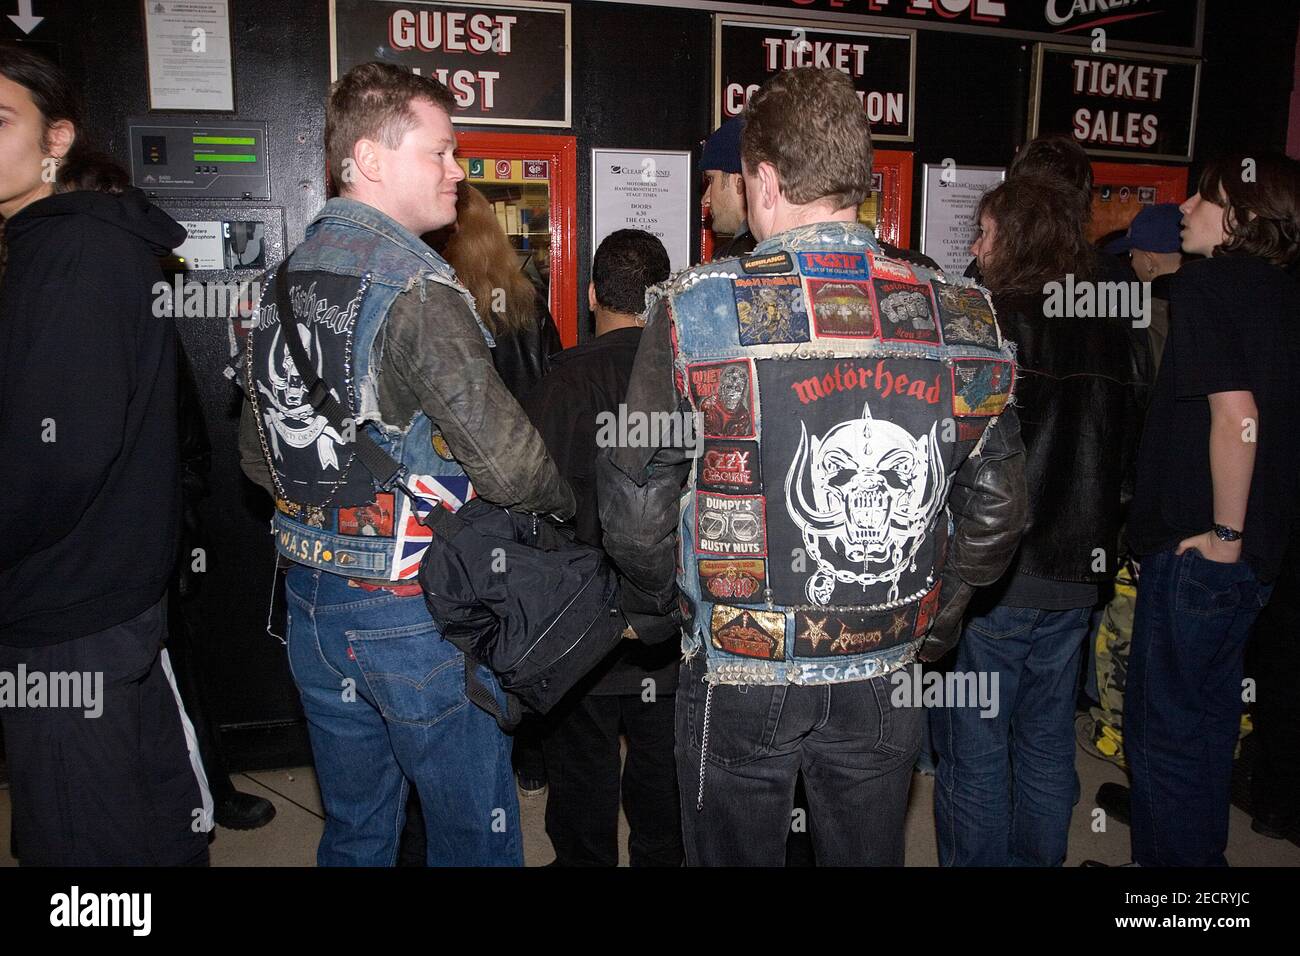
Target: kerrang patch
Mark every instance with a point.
(927, 609)
(749, 633)
(981, 386)
(730, 466)
(966, 315)
(771, 309)
(370, 520)
(769, 264)
(724, 395)
(730, 524)
(834, 265)
(857, 473)
(884, 268)
(738, 580)
(842, 309)
(829, 633)
(906, 311)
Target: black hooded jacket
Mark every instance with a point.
(89, 487)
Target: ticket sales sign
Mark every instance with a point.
(1116, 104)
(881, 64)
(506, 63)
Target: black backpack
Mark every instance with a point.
(508, 589)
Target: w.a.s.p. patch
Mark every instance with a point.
(981, 386)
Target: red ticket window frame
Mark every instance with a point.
(1170, 184)
(562, 154)
(894, 212)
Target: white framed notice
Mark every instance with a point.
(643, 189)
(949, 197)
(189, 53)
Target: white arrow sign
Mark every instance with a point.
(24, 19)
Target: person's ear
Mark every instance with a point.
(769, 185)
(60, 137)
(739, 184)
(591, 296)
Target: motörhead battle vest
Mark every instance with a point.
(837, 391)
(329, 512)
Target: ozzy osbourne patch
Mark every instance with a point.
(749, 633)
(827, 634)
(980, 386)
(966, 315)
(857, 474)
(771, 309)
(737, 580)
(906, 311)
(841, 308)
(724, 394)
(730, 466)
(730, 524)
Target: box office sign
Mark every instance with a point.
(1116, 104)
(507, 64)
(881, 64)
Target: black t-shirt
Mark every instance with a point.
(1234, 326)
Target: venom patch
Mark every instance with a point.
(749, 633)
(830, 634)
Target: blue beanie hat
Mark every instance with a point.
(722, 149)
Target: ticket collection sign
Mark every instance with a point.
(1116, 104)
(507, 64)
(881, 64)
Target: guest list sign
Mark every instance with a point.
(643, 189)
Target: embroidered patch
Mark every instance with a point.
(827, 634)
(771, 309)
(834, 265)
(739, 580)
(315, 517)
(969, 431)
(288, 508)
(730, 524)
(906, 311)
(770, 264)
(729, 467)
(842, 309)
(884, 268)
(927, 609)
(368, 520)
(749, 633)
(966, 315)
(441, 447)
(980, 386)
(724, 394)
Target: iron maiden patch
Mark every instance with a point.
(927, 609)
(981, 386)
(770, 264)
(734, 580)
(834, 265)
(856, 475)
(771, 309)
(724, 395)
(906, 311)
(730, 524)
(966, 315)
(749, 633)
(830, 634)
(730, 466)
(842, 308)
(883, 267)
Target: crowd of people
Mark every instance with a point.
(892, 469)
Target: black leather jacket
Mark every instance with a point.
(1081, 394)
(522, 358)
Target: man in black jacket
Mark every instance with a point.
(575, 409)
(89, 505)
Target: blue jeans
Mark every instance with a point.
(385, 701)
(1183, 703)
(1005, 786)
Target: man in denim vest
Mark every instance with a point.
(852, 469)
(395, 337)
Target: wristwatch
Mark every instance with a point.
(1226, 534)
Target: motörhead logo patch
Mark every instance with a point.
(729, 466)
(749, 633)
(735, 580)
(906, 311)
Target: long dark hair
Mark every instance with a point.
(1263, 198)
(1040, 235)
(51, 90)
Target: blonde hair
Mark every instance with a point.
(485, 262)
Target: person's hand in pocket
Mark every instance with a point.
(1212, 547)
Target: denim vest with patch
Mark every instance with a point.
(835, 393)
(330, 513)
